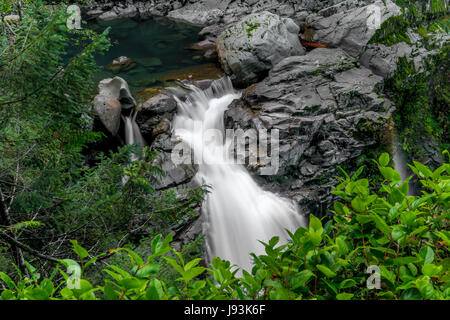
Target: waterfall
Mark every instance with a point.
(400, 165)
(132, 136)
(237, 211)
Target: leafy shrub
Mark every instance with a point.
(407, 237)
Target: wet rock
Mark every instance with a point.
(250, 48)
(121, 64)
(114, 95)
(210, 54)
(204, 45)
(152, 111)
(145, 94)
(154, 119)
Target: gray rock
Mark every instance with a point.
(352, 29)
(151, 113)
(108, 16)
(382, 60)
(201, 13)
(250, 48)
(323, 106)
(114, 95)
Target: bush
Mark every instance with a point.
(405, 237)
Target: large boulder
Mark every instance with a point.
(352, 29)
(114, 95)
(328, 112)
(250, 48)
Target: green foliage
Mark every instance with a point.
(422, 100)
(405, 236)
(251, 27)
(425, 15)
(48, 193)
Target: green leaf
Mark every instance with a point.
(315, 225)
(326, 271)
(66, 293)
(9, 282)
(110, 292)
(132, 283)
(154, 290)
(47, 286)
(37, 294)
(427, 255)
(7, 295)
(397, 234)
(344, 296)
(79, 250)
(192, 263)
(412, 294)
(390, 174)
(135, 257)
(431, 270)
(148, 270)
(347, 283)
(301, 278)
(359, 204)
(192, 273)
(387, 274)
(381, 224)
(342, 245)
(384, 159)
(175, 265)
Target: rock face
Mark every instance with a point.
(200, 13)
(114, 96)
(382, 59)
(154, 119)
(327, 111)
(248, 49)
(352, 29)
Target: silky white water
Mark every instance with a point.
(132, 136)
(400, 165)
(237, 211)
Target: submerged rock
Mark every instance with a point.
(121, 64)
(149, 61)
(114, 95)
(199, 72)
(250, 48)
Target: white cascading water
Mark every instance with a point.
(400, 165)
(238, 212)
(132, 136)
(132, 133)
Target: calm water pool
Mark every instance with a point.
(157, 46)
